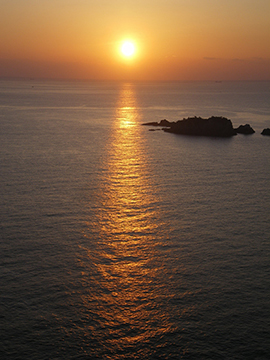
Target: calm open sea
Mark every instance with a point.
(120, 243)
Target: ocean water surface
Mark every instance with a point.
(120, 243)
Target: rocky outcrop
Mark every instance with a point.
(215, 126)
(164, 123)
(266, 132)
(245, 129)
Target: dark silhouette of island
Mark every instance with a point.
(266, 132)
(214, 126)
(245, 129)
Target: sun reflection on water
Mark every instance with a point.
(127, 202)
(125, 274)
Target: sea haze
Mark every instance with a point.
(121, 243)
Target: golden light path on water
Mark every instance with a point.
(124, 272)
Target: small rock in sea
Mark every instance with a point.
(153, 123)
(245, 129)
(266, 132)
(164, 123)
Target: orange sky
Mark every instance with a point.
(175, 39)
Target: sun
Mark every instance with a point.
(128, 49)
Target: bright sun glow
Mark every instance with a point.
(128, 49)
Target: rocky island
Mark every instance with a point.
(214, 126)
(266, 132)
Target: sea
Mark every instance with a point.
(122, 243)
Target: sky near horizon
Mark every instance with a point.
(174, 39)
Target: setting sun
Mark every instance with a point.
(135, 40)
(128, 49)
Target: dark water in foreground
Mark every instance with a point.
(120, 243)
